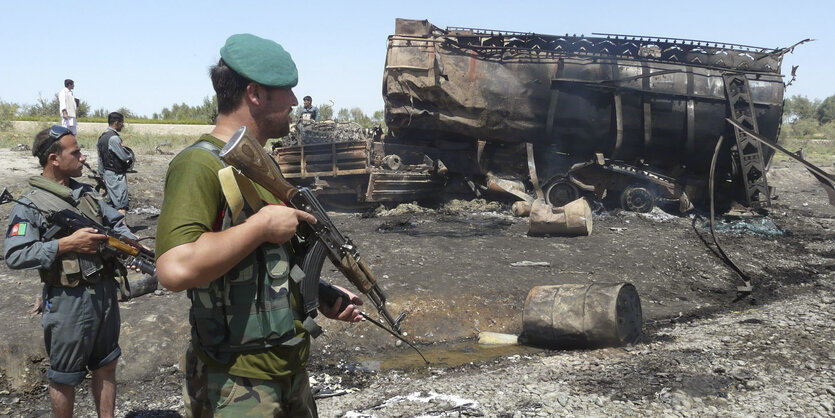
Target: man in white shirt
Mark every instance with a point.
(67, 105)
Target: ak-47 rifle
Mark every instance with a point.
(247, 156)
(126, 251)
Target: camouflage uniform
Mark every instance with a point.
(229, 367)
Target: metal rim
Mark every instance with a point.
(637, 199)
(561, 193)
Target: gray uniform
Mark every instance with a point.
(116, 182)
(81, 323)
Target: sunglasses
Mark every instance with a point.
(56, 132)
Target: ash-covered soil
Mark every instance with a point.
(467, 267)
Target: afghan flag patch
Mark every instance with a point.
(18, 229)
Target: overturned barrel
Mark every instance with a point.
(581, 316)
(572, 219)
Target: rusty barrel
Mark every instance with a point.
(574, 218)
(582, 315)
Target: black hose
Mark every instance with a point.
(742, 276)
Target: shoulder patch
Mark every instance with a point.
(18, 229)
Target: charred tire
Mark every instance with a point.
(561, 193)
(637, 199)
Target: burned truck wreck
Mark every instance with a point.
(557, 117)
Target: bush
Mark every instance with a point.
(826, 111)
(7, 113)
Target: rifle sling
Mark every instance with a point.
(238, 189)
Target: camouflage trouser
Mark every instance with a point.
(195, 384)
(208, 393)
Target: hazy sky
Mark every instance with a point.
(147, 55)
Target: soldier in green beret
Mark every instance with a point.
(250, 340)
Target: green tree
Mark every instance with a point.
(359, 117)
(802, 128)
(127, 113)
(378, 116)
(7, 113)
(343, 115)
(325, 112)
(206, 112)
(799, 107)
(825, 112)
(83, 109)
(43, 107)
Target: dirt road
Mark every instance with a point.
(455, 272)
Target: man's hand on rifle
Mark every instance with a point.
(278, 223)
(350, 314)
(84, 240)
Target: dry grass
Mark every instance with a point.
(141, 143)
(816, 151)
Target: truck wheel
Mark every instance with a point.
(561, 193)
(637, 199)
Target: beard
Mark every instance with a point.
(273, 116)
(274, 126)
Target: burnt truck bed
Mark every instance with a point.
(359, 169)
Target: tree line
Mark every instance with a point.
(205, 112)
(804, 118)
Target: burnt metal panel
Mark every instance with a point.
(647, 101)
(401, 186)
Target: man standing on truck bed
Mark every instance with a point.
(249, 344)
(309, 113)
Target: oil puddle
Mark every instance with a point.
(441, 356)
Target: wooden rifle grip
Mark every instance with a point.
(355, 274)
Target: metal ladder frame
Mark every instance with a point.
(749, 150)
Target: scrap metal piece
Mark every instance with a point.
(532, 171)
(515, 188)
(392, 162)
(572, 219)
(521, 208)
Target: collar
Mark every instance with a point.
(69, 193)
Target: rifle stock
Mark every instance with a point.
(245, 154)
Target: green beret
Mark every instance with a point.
(260, 60)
